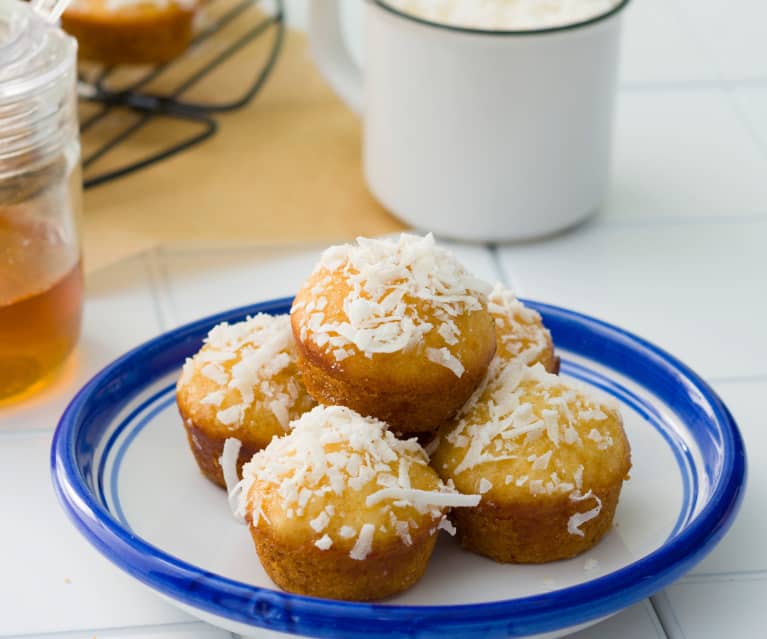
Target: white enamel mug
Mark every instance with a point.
(478, 135)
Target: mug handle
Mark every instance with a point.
(331, 54)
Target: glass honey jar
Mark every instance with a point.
(41, 281)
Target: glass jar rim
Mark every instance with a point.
(33, 53)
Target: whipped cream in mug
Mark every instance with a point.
(504, 15)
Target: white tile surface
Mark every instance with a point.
(752, 103)
(742, 551)
(659, 45)
(733, 33)
(191, 630)
(119, 313)
(637, 622)
(684, 154)
(197, 284)
(53, 580)
(716, 609)
(695, 289)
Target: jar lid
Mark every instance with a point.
(33, 53)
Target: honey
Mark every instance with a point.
(41, 292)
(41, 281)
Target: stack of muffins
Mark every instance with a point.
(402, 396)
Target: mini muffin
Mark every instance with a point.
(242, 384)
(519, 331)
(399, 331)
(340, 508)
(130, 31)
(549, 460)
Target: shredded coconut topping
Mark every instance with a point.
(364, 543)
(399, 292)
(519, 406)
(245, 358)
(578, 519)
(335, 451)
(228, 461)
(521, 333)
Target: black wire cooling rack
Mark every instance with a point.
(121, 103)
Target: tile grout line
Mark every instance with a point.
(649, 609)
(729, 87)
(495, 258)
(164, 285)
(681, 220)
(667, 618)
(604, 221)
(734, 575)
(735, 379)
(222, 248)
(700, 39)
(158, 288)
(745, 120)
(113, 631)
(682, 86)
(26, 433)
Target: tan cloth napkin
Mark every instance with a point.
(286, 168)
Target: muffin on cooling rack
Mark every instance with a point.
(519, 331)
(397, 330)
(341, 508)
(242, 384)
(131, 31)
(547, 456)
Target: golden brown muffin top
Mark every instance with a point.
(519, 330)
(527, 435)
(245, 367)
(343, 481)
(132, 6)
(395, 296)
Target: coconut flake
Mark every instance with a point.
(324, 542)
(403, 532)
(320, 522)
(446, 525)
(215, 373)
(231, 416)
(280, 409)
(364, 543)
(444, 357)
(423, 497)
(228, 461)
(484, 486)
(542, 462)
(214, 398)
(346, 532)
(578, 519)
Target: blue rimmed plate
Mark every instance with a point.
(123, 471)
